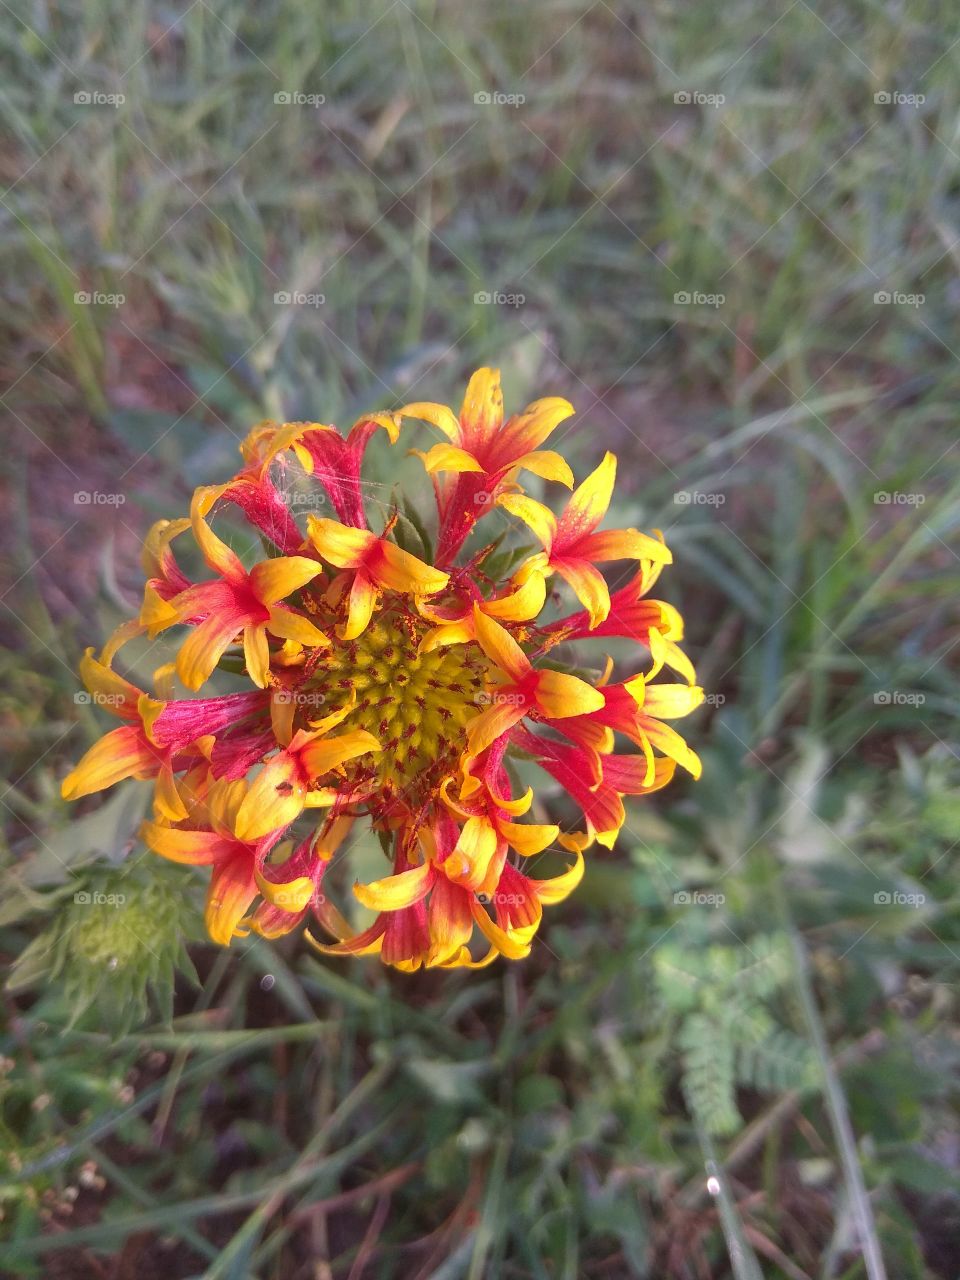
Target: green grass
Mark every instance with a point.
(798, 1041)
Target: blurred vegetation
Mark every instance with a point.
(759, 986)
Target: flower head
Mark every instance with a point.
(391, 685)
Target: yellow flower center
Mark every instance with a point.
(415, 704)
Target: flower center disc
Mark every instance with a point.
(415, 704)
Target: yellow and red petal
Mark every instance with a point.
(292, 895)
(156, 556)
(274, 580)
(589, 586)
(194, 848)
(156, 613)
(109, 690)
(526, 432)
(340, 544)
(540, 518)
(588, 504)
(664, 652)
(360, 605)
(500, 647)
(367, 943)
(507, 942)
(491, 723)
(287, 624)
(389, 422)
(395, 892)
(273, 799)
(481, 414)
(122, 753)
(561, 886)
(398, 570)
(559, 695)
(528, 838)
(438, 415)
(623, 544)
(547, 464)
(205, 646)
(449, 633)
(469, 861)
(671, 701)
(450, 921)
(670, 743)
(521, 605)
(216, 553)
(256, 654)
(167, 801)
(232, 890)
(323, 754)
(447, 457)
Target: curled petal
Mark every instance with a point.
(540, 518)
(447, 457)
(216, 553)
(507, 942)
(528, 838)
(276, 579)
(547, 464)
(439, 415)
(589, 586)
(393, 893)
(560, 887)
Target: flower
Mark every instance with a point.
(376, 681)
